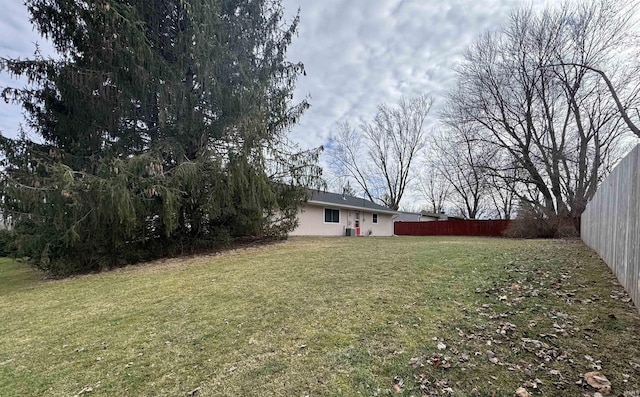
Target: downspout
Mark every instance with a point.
(393, 222)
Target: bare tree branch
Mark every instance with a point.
(528, 93)
(379, 156)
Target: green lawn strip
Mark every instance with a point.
(320, 316)
(15, 276)
(547, 315)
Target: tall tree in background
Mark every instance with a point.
(504, 191)
(458, 174)
(530, 93)
(433, 187)
(462, 162)
(380, 155)
(162, 127)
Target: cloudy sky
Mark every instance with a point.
(357, 53)
(360, 53)
(16, 40)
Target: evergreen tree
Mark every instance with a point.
(163, 129)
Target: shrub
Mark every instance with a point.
(535, 223)
(7, 243)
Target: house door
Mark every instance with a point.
(357, 223)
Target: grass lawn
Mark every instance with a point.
(326, 317)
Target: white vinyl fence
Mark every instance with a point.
(611, 223)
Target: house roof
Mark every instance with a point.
(432, 214)
(406, 216)
(440, 216)
(344, 201)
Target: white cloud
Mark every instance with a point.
(357, 54)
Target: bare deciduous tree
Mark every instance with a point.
(433, 187)
(379, 155)
(529, 92)
(505, 186)
(462, 160)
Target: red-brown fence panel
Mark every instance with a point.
(488, 228)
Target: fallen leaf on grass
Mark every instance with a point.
(437, 360)
(598, 381)
(621, 295)
(586, 301)
(536, 343)
(441, 346)
(522, 392)
(398, 384)
(86, 389)
(555, 372)
(596, 365)
(435, 388)
(506, 328)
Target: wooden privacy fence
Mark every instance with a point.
(610, 224)
(489, 228)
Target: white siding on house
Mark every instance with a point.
(384, 227)
(311, 222)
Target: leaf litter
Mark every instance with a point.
(537, 317)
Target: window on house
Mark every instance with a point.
(331, 216)
(375, 218)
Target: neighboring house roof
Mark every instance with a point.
(456, 217)
(344, 201)
(408, 217)
(433, 215)
(418, 216)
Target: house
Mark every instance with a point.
(423, 216)
(332, 214)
